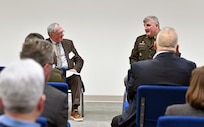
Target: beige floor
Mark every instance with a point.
(98, 114)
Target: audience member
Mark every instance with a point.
(21, 94)
(194, 97)
(34, 36)
(56, 104)
(164, 68)
(67, 57)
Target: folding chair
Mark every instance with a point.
(152, 102)
(180, 121)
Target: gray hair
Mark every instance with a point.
(34, 36)
(21, 86)
(167, 38)
(152, 18)
(40, 50)
(51, 28)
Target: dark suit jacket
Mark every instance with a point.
(75, 62)
(55, 108)
(165, 68)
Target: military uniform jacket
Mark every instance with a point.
(143, 49)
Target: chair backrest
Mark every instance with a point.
(42, 121)
(180, 121)
(152, 101)
(62, 86)
(1, 68)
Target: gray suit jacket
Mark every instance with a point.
(183, 110)
(56, 107)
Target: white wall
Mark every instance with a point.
(103, 32)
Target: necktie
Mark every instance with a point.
(59, 60)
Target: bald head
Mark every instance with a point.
(167, 40)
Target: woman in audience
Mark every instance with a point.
(194, 97)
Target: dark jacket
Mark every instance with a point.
(165, 68)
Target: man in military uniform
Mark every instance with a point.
(144, 44)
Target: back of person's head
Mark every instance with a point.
(40, 50)
(21, 86)
(167, 40)
(154, 19)
(195, 93)
(34, 36)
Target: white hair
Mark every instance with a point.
(21, 86)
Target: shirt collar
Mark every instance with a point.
(159, 52)
(9, 121)
(53, 42)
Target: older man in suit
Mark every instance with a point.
(67, 57)
(164, 68)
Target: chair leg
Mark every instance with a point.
(82, 103)
(124, 99)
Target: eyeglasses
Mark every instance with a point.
(52, 64)
(59, 33)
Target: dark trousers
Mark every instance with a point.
(114, 122)
(129, 123)
(75, 85)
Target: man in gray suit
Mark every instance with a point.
(66, 56)
(56, 104)
(164, 68)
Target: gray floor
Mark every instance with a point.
(98, 114)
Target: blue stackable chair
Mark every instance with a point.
(152, 101)
(42, 121)
(62, 86)
(180, 121)
(68, 124)
(125, 101)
